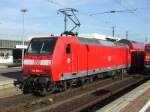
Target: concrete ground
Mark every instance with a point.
(7, 78)
(135, 101)
(139, 104)
(12, 73)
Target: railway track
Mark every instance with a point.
(75, 99)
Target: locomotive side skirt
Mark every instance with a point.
(72, 75)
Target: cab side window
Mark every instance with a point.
(68, 49)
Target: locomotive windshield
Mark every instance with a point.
(42, 46)
(147, 48)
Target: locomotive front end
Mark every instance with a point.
(37, 65)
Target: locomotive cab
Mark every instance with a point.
(37, 63)
(46, 61)
(38, 56)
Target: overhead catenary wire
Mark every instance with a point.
(61, 5)
(114, 11)
(55, 3)
(126, 10)
(91, 14)
(137, 15)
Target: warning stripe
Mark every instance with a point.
(41, 62)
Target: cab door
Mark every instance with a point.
(74, 58)
(68, 59)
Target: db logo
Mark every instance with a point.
(68, 60)
(37, 62)
(109, 58)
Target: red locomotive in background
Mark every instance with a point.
(137, 55)
(147, 57)
(62, 61)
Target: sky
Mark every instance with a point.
(42, 18)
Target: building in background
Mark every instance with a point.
(11, 52)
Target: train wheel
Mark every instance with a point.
(26, 89)
(43, 92)
(27, 86)
(76, 82)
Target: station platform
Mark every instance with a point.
(7, 78)
(8, 65)
(138, 100)
(6, 82)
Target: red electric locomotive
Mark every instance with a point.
(147, 57)
(57, 62)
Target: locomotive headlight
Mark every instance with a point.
(147, 57)
(147, 66)
(28, 62)
(46, 62)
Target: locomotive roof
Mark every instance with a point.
(92, 41)
(40, 36)
(98, 36)
(99, 42)
(148, 44)
(133, 45)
